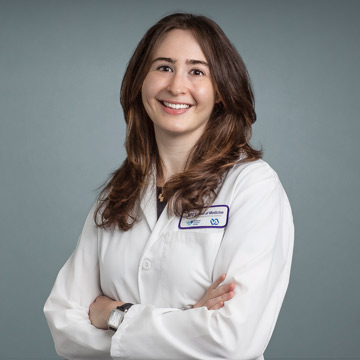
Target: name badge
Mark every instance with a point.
(215, 216)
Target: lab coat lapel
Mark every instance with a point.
(148, 203)
(160, 226)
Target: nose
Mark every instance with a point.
(177, 84)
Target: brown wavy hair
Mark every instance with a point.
(224, 143)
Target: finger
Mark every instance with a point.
(219, 294)
(222, 290)
(220, 299)
(217, 282)
(217, 306)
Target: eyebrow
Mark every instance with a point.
(172, 61)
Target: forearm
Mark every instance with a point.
(74, 336)
(172, 334)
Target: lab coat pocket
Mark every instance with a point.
(187, 265)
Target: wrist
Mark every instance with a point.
(111, 306)
(116, 315)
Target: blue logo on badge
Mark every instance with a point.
(214, 221)
(189, 223)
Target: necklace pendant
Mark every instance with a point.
(160, 197)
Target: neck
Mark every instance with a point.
(174, 152)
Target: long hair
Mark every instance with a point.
(224, 143)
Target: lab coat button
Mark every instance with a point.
(146, 264)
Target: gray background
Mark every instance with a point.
(62, 133)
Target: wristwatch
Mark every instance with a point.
(117, 316)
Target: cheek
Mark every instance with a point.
(152, 86)
(149, 92)
(206, 95)
(146, 89)
(145, 96)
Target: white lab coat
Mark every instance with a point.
(162, 269)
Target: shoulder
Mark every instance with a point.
(250, 181)
(246, 174)
(255, 186)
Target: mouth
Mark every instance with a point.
(175, 106)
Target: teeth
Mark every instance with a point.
(176, 106)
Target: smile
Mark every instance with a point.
(175, 106)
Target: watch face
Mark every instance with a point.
(115, 319)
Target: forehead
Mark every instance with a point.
(178, 44)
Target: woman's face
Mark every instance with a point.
(177, 93)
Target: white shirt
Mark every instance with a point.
(162, 268)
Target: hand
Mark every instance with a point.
(216, 295)
(100, 309)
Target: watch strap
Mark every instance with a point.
(125, 307)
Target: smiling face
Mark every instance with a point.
(177, 93)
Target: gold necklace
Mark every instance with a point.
(161, 197)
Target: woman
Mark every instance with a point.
(189, 108)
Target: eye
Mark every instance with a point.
(197, 72)
(165, 68)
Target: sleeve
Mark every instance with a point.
(67, 307)
(255, 253)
